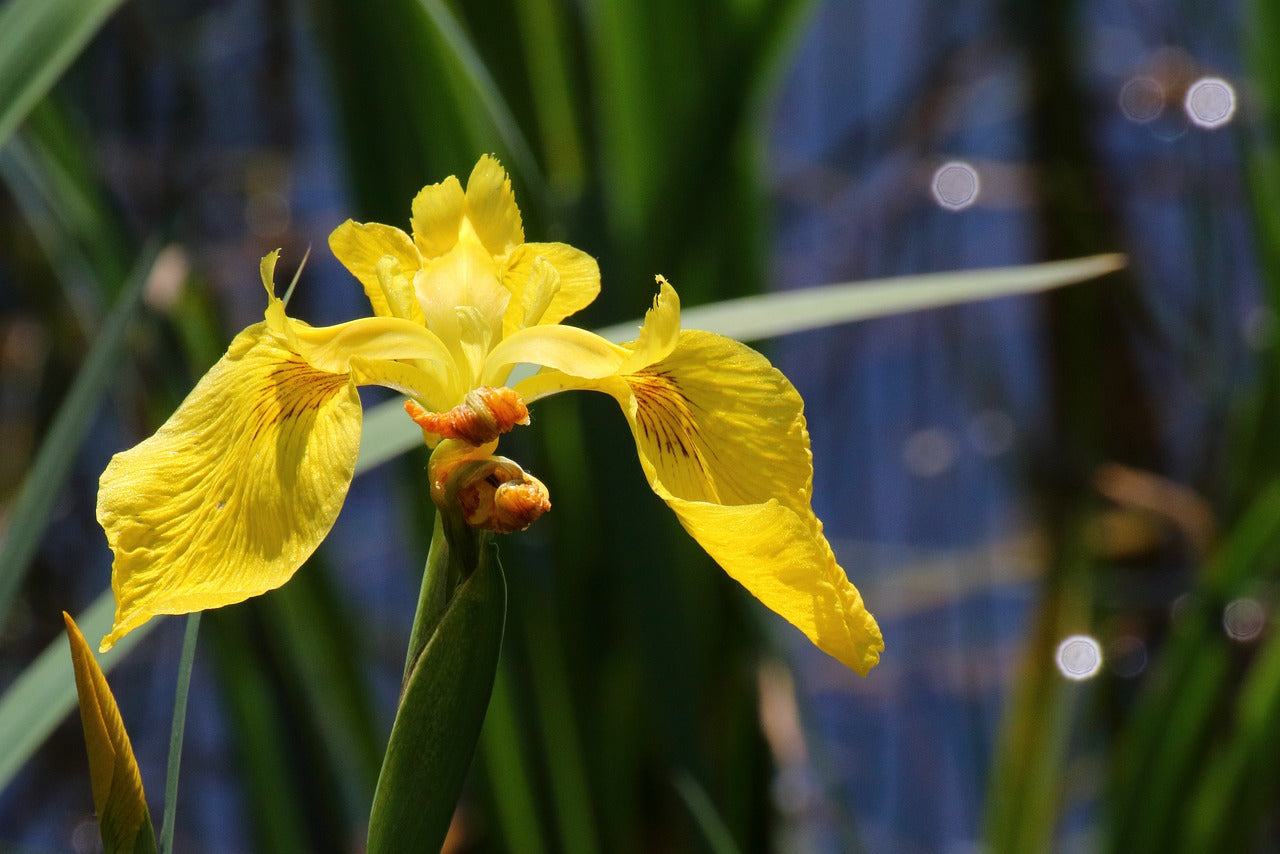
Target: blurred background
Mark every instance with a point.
(1064, 510)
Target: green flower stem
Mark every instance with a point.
(453, 556)
(179, 728)
(452, 659)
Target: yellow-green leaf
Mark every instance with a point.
(118, 797)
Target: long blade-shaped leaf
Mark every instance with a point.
(38, 40)
(770, 315)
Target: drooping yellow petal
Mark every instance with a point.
(118, 797)
(491, 207)
(360, 246)
(579, 281)
(235, 490)
(776, 554)
(437, 215)
(331, 348)
(434, 389)
(721, 436)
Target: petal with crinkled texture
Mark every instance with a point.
(722, 439)
(579, 282)
(235, 490)
(360, 246)
(118, 797)
(491, 207)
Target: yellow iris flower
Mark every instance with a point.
(241, 484)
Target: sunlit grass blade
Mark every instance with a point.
(31, 509)
(38, 40)
(770, 315)
(45, 692)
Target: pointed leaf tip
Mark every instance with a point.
(118, 797)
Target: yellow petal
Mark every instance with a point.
(718, 423)
(430, 388)
(491, 207)
(235, 490)
(579, 281)
(775, 553)
(331, 348)
(722, 438)
(360, 246)
(569, 349)
(437, 215)
(118, 796)
(660, 332)
(397, 291)
(542, 287)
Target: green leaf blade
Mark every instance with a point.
(39, 39)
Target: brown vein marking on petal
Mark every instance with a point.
(484, 415)
(293, 388)
(665, 414)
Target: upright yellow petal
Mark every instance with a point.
(360, 246)
(579, 282)
(437, 216)
(118, 797)
(400, 298)
(491, 207)
(235, 490)
(721, 436)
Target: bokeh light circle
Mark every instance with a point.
(1210, 102)
(955, 185)
(1243, 619)
(1141, 99)
(1079, 657)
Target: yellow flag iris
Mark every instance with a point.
(242, 483)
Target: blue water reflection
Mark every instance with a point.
(936, 529)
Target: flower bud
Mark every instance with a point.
(497, 495)
(484, 415)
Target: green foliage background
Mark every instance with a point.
(634, 129)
